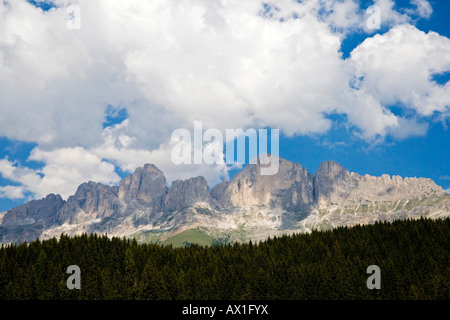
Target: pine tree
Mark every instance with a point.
(152, 285)
(131, 278)
(3, 275)
(41, 276)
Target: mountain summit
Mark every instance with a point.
(249, 206)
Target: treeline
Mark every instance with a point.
(413, 257)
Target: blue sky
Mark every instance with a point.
(426, 156)
(94, 103)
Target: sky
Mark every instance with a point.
(91, 94)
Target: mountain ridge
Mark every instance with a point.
(249, 206)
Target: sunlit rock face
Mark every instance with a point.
(258, 205)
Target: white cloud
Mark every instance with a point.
(423, 8)
(115, 150)
(389, 15)
(12, 192)
(28, 178)
(408, 128)
(344, 15)
(64, 170)
(398, 67)
(227, 63)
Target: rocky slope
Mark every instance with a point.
(249, 206)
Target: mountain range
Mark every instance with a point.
(250, 206)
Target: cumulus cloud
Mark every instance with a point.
(344, 15)
(12, 192)
(397, 67)
(423, 8)
(64, 170)
(231, 64)
(28, 178)
(116, 148)
(389, 15)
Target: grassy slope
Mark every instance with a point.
(192, 236)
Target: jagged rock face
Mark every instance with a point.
(218, 193)
(290, 199)
(290, 188)
(146, 185)
(43, 211)
(334, 185)
(385, 188)
(185, 193)
(90, 201)
(26, 222)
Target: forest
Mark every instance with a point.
(413, 257)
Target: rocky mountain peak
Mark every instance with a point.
(149, 167)
(146, 185)
(331, 169)
(290, 198)
(335, 185)
(43, 210)
(93, 199)
(85, 188)
(218, 193)
(291, 187)
(184, 193)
